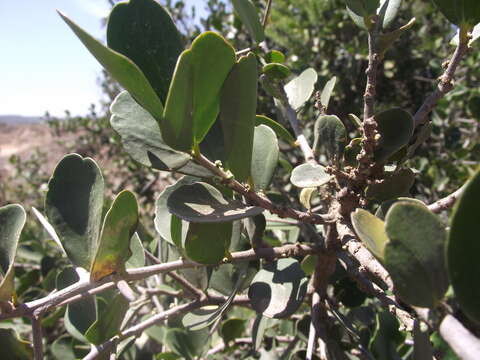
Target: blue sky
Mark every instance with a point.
(43, 67)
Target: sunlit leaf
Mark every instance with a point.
(371, 230)
(248, 14)
(300, 89)
(264, 157)
(309, 175)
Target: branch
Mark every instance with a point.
(260, 199)
(267, 13)
(444, 86)
(37, 338)
(139, 328)
(373, 62)
(447, 202)
(84, 288)
(461, 340)
(367, 262)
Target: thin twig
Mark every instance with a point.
(37, 338)
(260, 199)
(444, 86)
(84, 288)
(447, 202)
(373, 62)
(267, 13)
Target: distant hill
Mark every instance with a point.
(18, 119)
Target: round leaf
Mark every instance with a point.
(276, 71)
(208, 243)
(415, 254)
(309, 175)
(145, 33)
(122, 69)
(395, 127)
(238, 106)
(12, 220)
(330, 133)
(371, 230)
(300, 89)
(460, 12)
(278, 289)
(118, 228)
(264, 156)
(248, 14)
(143, 140)
(396, 184)
(74, 204)
(201, 202)
(464, 247)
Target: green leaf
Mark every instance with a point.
(278, 128)
(309, 175)
(308, 264)
(203, 317)
(414, 256)
(306, 196)
(387, 11)
(193, 100)
(386, 40)
(248, 14)
(460, 12)
(164, 219)
(201, 202)
(347, 292)
(463, 248)
(122, 69)
(138, 253)
(386, 338)
(258, 330)
(188, 344)
(61, 348)
(142, 139)
(73, 206)
(276, 71)
(111, 307)
(207, 243)
(382, 210)
(327, 92)
(422, 347)
(371, 230)
(300, 89)
(12, 220)
(395, 127)
(351, 152)
(264, 156)
(278, 289)
(361, 11)
(12, 347)
(238, 106)
(80, 315)
(331, 135)
(274, 56)
(232, 329)
(118, 228)
(144, 32)
(395, 184)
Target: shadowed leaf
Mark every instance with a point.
(201, 202)
(238, 106)
(12, 220)
(248, 14)
(142, 139)
(460, 12)
(76, 221)
(308, 175)
(144, 32)
(464, 247)
(414, 255)
(331, 135)
(122, 69)
(278, 289)
(395, 184)
(278, 128)
(208, 243)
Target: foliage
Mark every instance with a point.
(250, 274)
